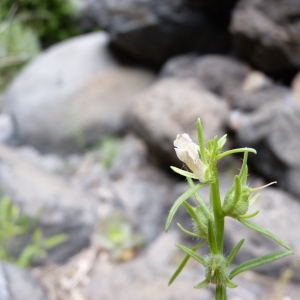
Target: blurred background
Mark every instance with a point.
(92, 96)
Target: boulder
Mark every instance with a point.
(273, 130)
(72, 95)
(58, 206)
(221, 75)
(19, 284)
(152, 31)
(268, 35)
(172, 106)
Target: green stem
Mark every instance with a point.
(217, 210)
(221, 292)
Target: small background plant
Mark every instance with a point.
(15, 225)
(209, 222)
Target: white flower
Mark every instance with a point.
(187, 151)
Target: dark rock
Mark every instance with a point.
(273, 131)
(19, 284)
(170, 107)
(220, 74)
(152, 31)
(268, 35)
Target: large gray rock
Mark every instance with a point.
(72, 95)
(273, 130)
(152, 31)
(61, 208)
(268, 35)
(172, 106)
(19, 284)
(221, 75)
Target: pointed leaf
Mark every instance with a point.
(184, 173)
(184, 262)
(201, 141)
(187, 232)
(236, 151)
(244, 170)
(193, 254)
(253, 199)
(234, 252)
(265, 232)
(222, 141)
(256, 262)
(202, 284)
(179, 201)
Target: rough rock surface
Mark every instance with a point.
(168, 108)
(268, 35)
(67, 105)
(221, 75)
(19, 284)
(152, 31)
(273, 131)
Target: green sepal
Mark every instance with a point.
(201, 141)
(201, 284)
(249, 216)
(231, 284)
(253, 199)
(232, 197)
(259, 261)
(184, 262)
(187, 232)
(234, 252)
(193, 254)
(184, 173)
(265, 232)
(179, 201)
(211, 238)
(222, 142)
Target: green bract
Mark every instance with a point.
(208, 221)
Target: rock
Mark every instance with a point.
(279, 213)
(19, 284)
(268, 95)
(220, 74)
(62, 102)
(142, 190)
(152, 31)
(273, 131)
(172, 106)
(255, 81)
(267, 35)
(62, 208)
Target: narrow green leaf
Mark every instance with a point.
(249, 215)
(265, 232)
(193, 254)
(234, 252)
(184, 173)
(179, 201)
(222, 141)
(212, 238)
(199, 199)
(202, 284)
(244, 170)
(253, 199)
(228, 206)
(54, 240)
(236, 151)
(187, 232)
(184, 262)
(259, 261)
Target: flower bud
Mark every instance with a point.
(187, 151)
